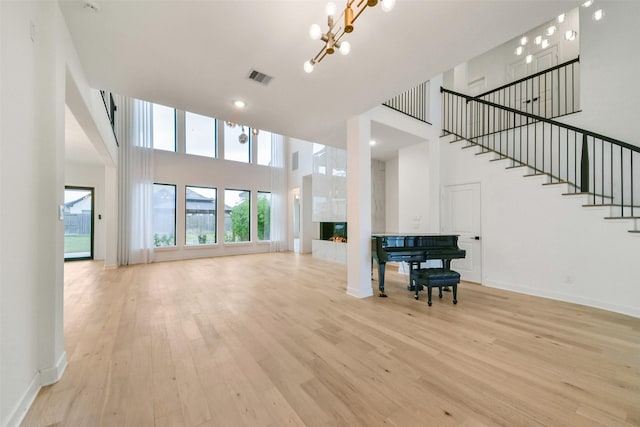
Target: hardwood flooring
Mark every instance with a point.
(273, 340)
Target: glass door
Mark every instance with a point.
(78, 223)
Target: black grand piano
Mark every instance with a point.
(413, 249)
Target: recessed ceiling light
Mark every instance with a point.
(372, 142)
(239, 104)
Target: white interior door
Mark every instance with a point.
(461, 216)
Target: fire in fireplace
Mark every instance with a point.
(333, 231)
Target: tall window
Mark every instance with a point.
(164, 128)
(200, 133)
(200, 216)
(236, 143)
(264, 215)
(237, 215)
(164, 215)
(264, 148)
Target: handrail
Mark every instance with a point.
(543, 119)
(601, 167)
(523, 79)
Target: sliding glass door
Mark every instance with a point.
(78, 223)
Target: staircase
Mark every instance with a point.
(516, 124)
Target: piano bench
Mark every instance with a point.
(435, 277)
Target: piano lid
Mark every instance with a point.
(385, 234)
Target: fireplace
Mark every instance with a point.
(333, 231)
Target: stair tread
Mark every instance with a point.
(582, 193)
(611, 205)
(622, 217)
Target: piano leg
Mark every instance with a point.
(381, 268)
(446, 263)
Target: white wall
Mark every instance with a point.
(295, 182)
(538, 242)
(38, 64)
(609, 71)
(32, 188)
(392, 193)
(378, 194)
(86, 175)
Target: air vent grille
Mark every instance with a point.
(259, 77)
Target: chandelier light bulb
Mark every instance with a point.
(255, 131)
(598, 15)
(524, 40)
(519, 50)
(570, 35)
(587, 3)
(388, 5)
(551, 30)
(308, 67)
(345, 48)
(315, 32)
(561, 18)
(528, 59)
(331, 9)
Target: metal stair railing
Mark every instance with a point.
(604, 168)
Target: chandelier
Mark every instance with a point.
(243, 137)
(332, 38)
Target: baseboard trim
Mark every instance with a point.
(17, 415)
(42, 378)
(52, 375)
(616, 308)
(360, 293)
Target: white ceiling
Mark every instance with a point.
(196, 55)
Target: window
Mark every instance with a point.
(164, 215)
(234, 147)
(164, 128)
(264, 148)
(200, 216)
(264, 215)
(200, 134)
(237, 214)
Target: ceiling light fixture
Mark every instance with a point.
(333, 37)
(239, 104)
(570, 35)
(598, 15)
(587, 3)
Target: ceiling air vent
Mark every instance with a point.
(259, 77)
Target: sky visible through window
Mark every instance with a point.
(164, 128)
(200, 135)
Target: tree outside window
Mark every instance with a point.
(264, 215)
(237, 213)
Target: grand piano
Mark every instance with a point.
(413, 249)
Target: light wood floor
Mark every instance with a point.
(273, 340)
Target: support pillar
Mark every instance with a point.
(359, 207)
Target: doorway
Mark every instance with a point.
(461, 216)
(78, 223)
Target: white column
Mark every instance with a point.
(359, 207)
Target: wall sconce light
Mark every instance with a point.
(333, 37)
